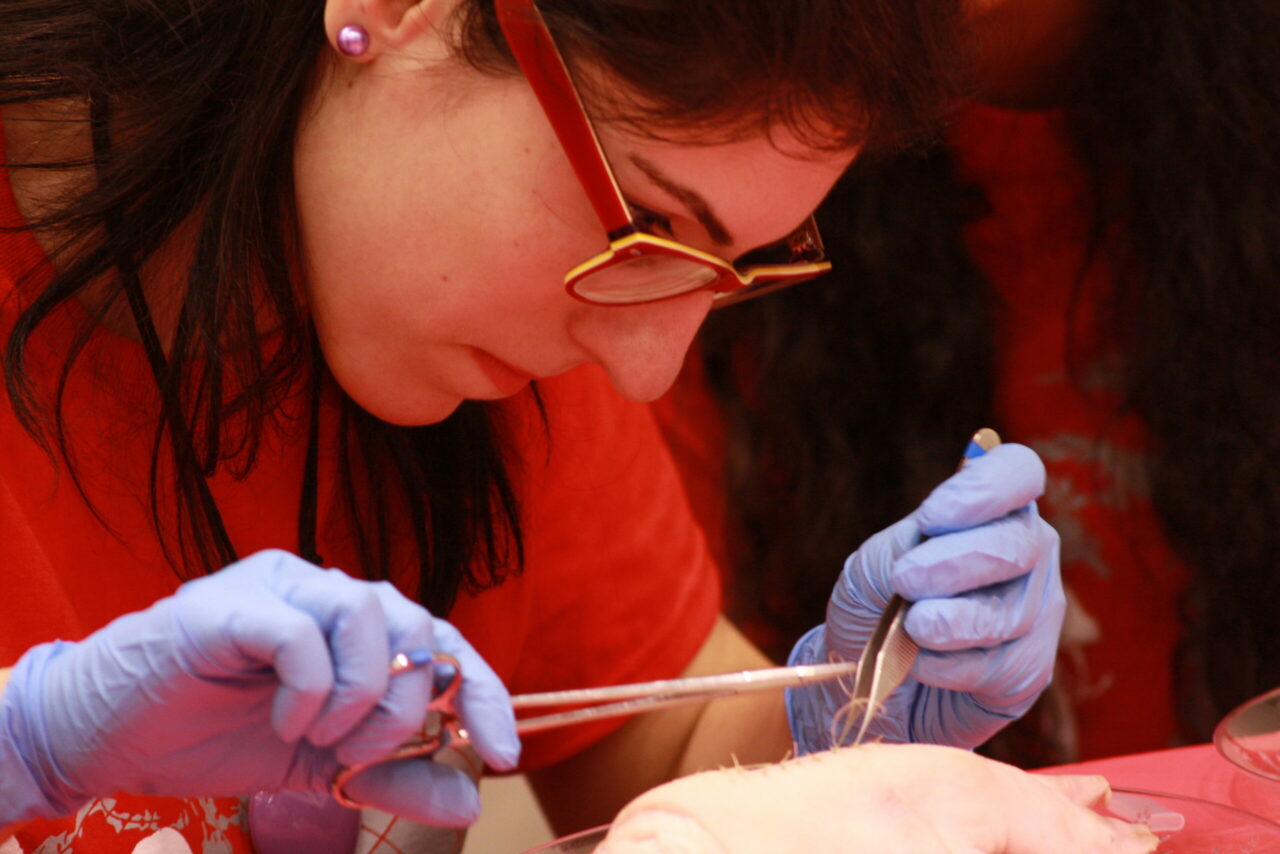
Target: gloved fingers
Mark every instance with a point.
(962, 671)
(865, 585)
(410, 627)
(231, 631)
(893, 542)
(394, 718)
(1001, 681)
(305, 671)
(349, 612)
(1000, 481)
(400, 711)
(967, 560)
(427, 792)
(273, 607)
(980, 619)
(483, 702)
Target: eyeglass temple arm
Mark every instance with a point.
(545, 70)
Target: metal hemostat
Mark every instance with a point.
(443, 726)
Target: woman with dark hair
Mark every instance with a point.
(278, 278)
(1089, 260)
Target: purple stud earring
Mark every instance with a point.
(353, 40)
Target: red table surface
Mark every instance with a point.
(1199, 772)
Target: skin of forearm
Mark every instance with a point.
(744, 730)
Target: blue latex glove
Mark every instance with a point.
(267, 675)
(988, 609)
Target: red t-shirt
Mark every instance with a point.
(1115, 668)
(618, 584)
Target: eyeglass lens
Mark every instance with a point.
(648, 277)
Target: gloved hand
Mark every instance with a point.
(988, 609)
(267, 675)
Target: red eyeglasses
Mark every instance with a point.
(637, 266)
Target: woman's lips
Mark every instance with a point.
(506, 379)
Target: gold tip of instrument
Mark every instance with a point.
(986, 438)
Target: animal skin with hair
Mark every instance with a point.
(925, 799)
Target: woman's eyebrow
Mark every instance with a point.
(688, 197)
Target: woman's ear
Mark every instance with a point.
(362, 29)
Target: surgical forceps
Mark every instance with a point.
(888, 656)
(443, 728)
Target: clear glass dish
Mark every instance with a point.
(1250, 736)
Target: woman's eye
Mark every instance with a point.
(650, 221)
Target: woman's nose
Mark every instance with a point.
(642, 346)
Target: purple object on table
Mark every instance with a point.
(288, 822)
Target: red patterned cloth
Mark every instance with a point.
(618, 585)
(144, 825)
